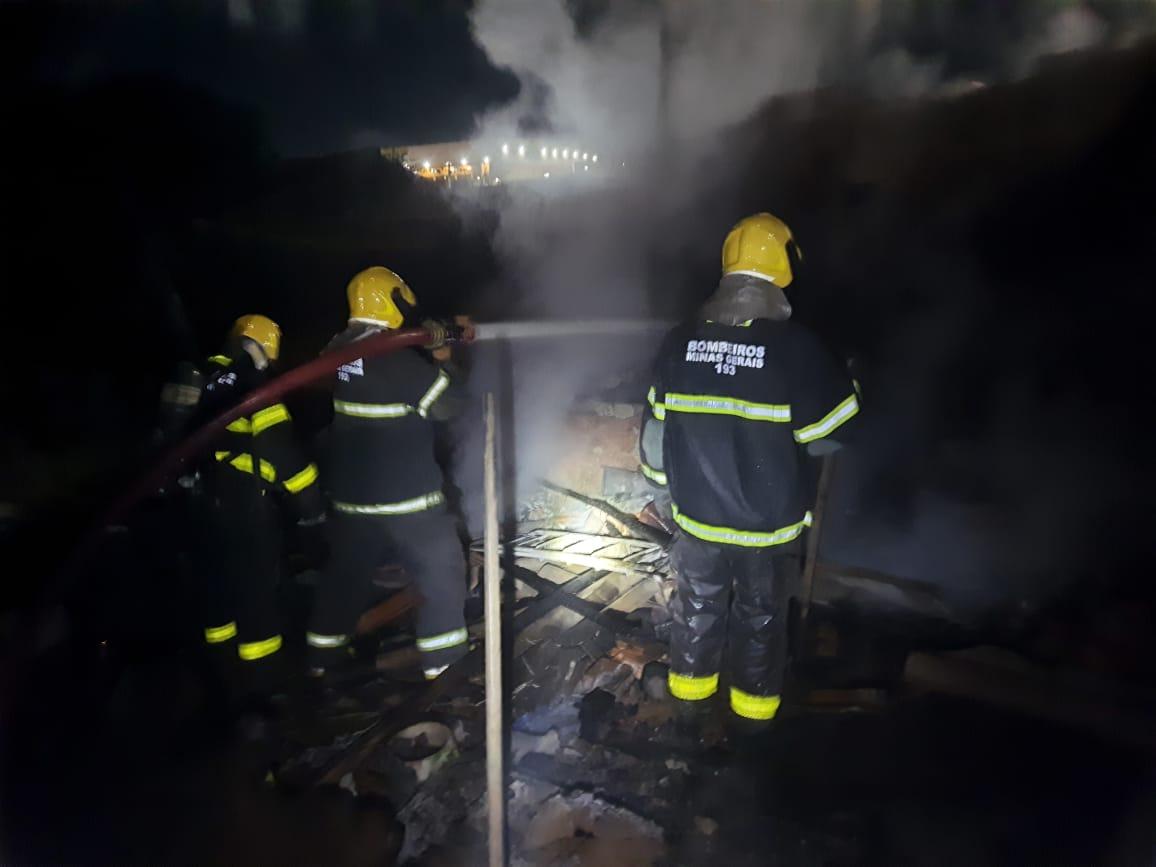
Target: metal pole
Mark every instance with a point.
(813, 535)
(495, 772)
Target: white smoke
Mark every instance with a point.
(664, 87)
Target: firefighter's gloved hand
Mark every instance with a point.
(461, 328)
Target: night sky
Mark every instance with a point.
(323, 76)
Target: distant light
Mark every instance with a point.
(521, 150)
(546, 175)
(566, 154)
(595, 158)
(505, 150)
(425, 164)
(585, 156)
(555, 153)
(497, 181)
(465, 161)
(575, 151)
(545, 151)
(585, 168)
(485, 161)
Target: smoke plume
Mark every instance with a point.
(667, 93)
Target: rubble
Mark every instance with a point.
(560, 716)
(654, 678)
(590, 831)
(637, 656)
(599, 765)
(441, 806)
(522, 743)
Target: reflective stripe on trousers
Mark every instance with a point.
(446, 640)
(254, 650)
(219, 634)
(313, 639)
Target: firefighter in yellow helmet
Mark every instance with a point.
(386, 485)
(740, 395)
(255, 469)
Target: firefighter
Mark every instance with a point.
(256, 467)
(386, 485)
(739, 392)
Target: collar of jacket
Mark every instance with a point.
(358, 329)
(741, 297)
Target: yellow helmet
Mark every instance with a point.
(262, 330)
(760, 245)
(374, 296)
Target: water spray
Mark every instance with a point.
(542, 330)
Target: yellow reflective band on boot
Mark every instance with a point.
(689, 688)
(218, 634)
(447, 639)
(717, 404)
(240, 425)
(759, 707)
(744, 538)
(314, 639)
(405, 507)
(266, 418)
(434, 673)
(656, 476)
(298, 483)
(435, 391)
(252, 650)
(222, 360)
(846, 410)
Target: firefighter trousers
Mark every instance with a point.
(427, 546)
(243, 556)
(730, 601)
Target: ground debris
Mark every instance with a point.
(637, 656)
(522, 744)
(561, 715)
(581, 828)
(442, 805)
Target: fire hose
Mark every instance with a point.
(431, 334)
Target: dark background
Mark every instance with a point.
(988, 261)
